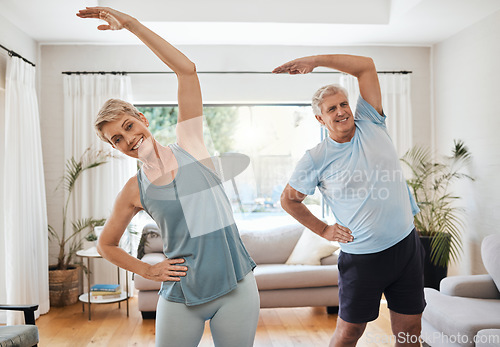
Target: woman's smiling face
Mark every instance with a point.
(129, 135)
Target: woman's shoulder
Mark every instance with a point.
(130, 192)
(132, 184)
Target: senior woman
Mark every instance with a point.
(208, 272)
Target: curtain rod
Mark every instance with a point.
(14, 54)
(205, 72)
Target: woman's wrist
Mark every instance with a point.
(131, 24)
(145, 270)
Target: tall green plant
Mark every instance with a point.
(439, 217)
(68, 241)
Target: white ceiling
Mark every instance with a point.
(267, 22)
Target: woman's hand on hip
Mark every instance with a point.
(167, 270)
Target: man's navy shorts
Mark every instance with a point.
(397, 272)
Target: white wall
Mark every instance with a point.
(466, 77)
(254, 88)
(14, 39)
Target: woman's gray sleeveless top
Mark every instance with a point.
(196, 223)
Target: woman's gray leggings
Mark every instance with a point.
(233, 319)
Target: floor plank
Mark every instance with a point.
(282, 327)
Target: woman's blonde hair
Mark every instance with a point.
(112, 110)
(320, 94)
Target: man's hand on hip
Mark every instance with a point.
(337, 233)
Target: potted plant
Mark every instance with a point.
(439, 222)
(63, 277)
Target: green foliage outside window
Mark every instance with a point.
(220, 124)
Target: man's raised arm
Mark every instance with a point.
(360, 67)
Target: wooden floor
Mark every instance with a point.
(308, 327)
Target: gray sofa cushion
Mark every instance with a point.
(278, 276)
(270, 246)
(491, 257)
(454, 316)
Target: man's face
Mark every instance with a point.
(129, 135)
(336, 116)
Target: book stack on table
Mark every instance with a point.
(105, 291)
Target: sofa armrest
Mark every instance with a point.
(473, 286)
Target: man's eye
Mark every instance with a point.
(129, 126)
(117, 140)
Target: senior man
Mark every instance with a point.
(357, 170)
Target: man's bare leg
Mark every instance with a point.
(346, 334)
(406, 328)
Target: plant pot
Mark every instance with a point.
(433, 274)
(63, 286)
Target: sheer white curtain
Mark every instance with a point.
(24, 229)
(97, 188)
(396, 101)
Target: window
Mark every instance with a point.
(274, 137)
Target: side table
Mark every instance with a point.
(85, 297)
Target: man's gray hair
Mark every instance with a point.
(322, 92)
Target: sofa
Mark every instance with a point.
(296, 284)
(466, 309)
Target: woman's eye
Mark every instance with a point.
(129, 126)
(116, 141)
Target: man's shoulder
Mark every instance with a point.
(319, 149)
(324, 153)
(366, 112)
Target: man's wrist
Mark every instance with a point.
(320, 60)
(322, 230)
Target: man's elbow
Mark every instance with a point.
(369, 65)
(365, 65)
(286, 201)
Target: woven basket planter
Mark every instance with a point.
(64, 286)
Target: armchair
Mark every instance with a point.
(20, 335)
(466, 310)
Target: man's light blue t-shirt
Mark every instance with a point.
(362, 182)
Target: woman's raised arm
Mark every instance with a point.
(189, 92)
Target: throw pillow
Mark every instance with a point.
(310, 249)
